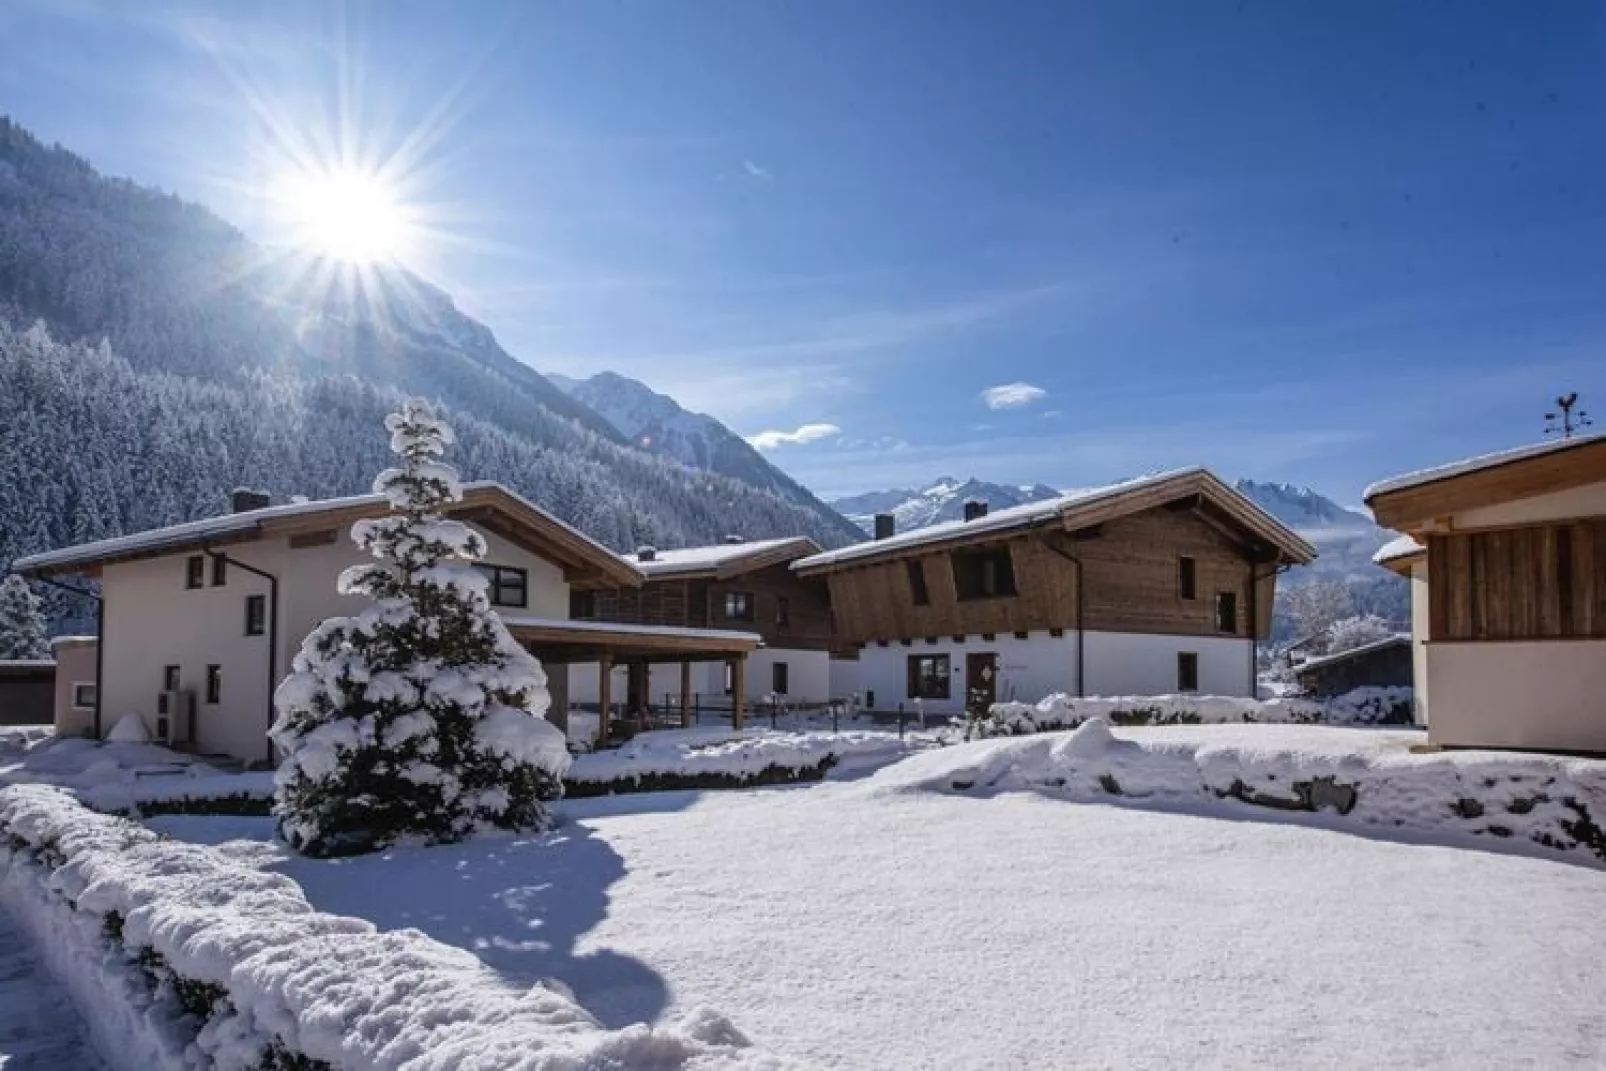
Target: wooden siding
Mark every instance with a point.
(1542, 581)
(1129, 565)
(701, 604)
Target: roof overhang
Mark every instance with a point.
(762, 557)
(1419, 502)
(1193, 490)
(585, 563)
(560, 640)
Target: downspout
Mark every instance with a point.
(1081, 679)
(273, 630)
(100, 636)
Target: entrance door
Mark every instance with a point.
(981, 682)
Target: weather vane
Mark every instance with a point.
(1565, 420)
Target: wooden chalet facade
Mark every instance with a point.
(736, 585)
(1153, 586)
(1507, 559)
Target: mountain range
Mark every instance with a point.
(152, 358)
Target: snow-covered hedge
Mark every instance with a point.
(183, 958)
(1363, 706)
(1353, 778)
(721, 758)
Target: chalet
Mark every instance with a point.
(1384, 663)
(198, 622)
(1152, 586)
(1506, 555)
(739, 585)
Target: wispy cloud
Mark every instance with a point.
(807, 433)
(757, 171)
(1012, 395)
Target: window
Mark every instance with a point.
(1226, 611)
(917, 582)
(220, 570)
(194, 571)
(583, 605)
(783, 612)
(1056, 632)
(1022, 635)
(730, 677)
(1187, 671)
(928, 676)
(932, 640)
(170, 678)
(256, 615)
(988, 637)
(983, 574)
(778, 678)
(83, 695)
(1187, 578)
(509, 586)
(214, 683)
(739, 605)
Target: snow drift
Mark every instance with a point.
(1363, 706)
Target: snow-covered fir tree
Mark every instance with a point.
(419, 717)
(22, 626)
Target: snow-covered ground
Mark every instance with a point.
(40, 1030)
(894, 921)
(114, 775)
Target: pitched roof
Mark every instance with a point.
(1475, 464)
(723, 559)
(1397, 552)
(1084, 507)
(1397, 640)
(508, 514)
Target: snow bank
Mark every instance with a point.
(723, 758)
(183, 957)
(1353, 778)
(1363, 706)
(124, 777)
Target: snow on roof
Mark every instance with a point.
(1474, 464)
(27, 663)
(571, 625)
(175, 535)
(1353, 652)
(1395, 549)
(709, 558)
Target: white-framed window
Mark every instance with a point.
(83, 695)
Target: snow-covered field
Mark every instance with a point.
(896, 922)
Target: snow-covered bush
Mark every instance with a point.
(22, 626)
(1357, 631)
(183, 956)
(1363, 706)
(421, 716)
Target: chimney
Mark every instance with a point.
(733, 540)
(885, 525)
(975, 508)
(646, 554)
(243, 500)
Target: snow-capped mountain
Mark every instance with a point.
(943, 500)
(1345, 538)
(659, 425)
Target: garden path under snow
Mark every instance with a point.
(883, 924)
(39, 1027)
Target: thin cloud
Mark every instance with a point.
(807, 433)
(1012, 395)
(757, 171)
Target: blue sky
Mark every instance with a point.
(1311, 242)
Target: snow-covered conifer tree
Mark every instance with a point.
(419, 717)
(22, 626)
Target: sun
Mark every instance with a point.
(343, 213)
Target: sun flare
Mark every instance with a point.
(344, 214)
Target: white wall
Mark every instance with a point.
(152, 620)
(846, 678)
(1131, 663)
(1419, 641)
(1027, 669)
(1548, 694)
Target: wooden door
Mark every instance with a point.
(981, 681)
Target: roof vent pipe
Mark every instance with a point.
(885, 525)
(646, 554)
(975, 508)
(244, 500)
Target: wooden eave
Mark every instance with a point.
(588, 644)
(1419, 507)
(1402, 564)
(791, 550)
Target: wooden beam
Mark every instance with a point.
(738, 690)
(685, 695)
(1411, 508)
(604, 696)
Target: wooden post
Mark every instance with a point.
(604, 695)
(738, 689)
(685, 695)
